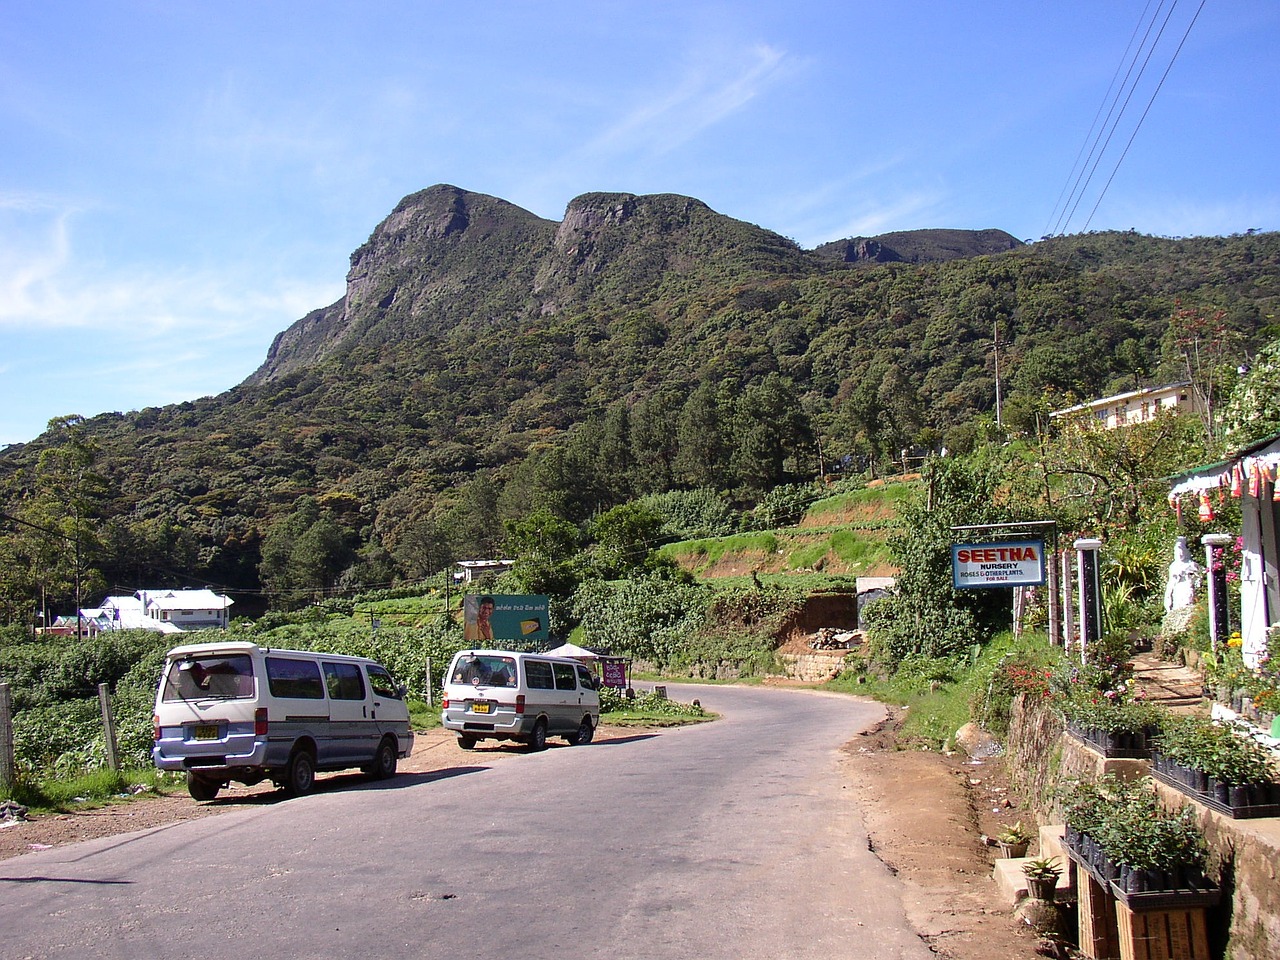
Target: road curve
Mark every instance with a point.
(736, 839)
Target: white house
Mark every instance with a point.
(164, 611)
(1250, 475)
(187, 609)
(475, 569)
(1136, 406)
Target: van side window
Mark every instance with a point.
(297, 679)
(585, 679)
(537, 674)
(566, 679)
(381, 682)
(344, 681)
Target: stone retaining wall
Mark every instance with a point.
(1244, 855)
(817, 667)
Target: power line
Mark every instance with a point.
(1119, 103)
(1163, 77)
(1052, 225)
(1112, 121)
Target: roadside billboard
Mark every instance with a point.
(1003, 563)
(521, 617)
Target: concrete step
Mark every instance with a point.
(1012, 882)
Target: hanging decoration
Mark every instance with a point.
(1206, 513)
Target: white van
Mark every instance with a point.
(237, 711)
(526, 697)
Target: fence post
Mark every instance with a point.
(430, 696)
(109, 728)
(8, 779)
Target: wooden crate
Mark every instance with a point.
(1098, 926)
(1170, 934)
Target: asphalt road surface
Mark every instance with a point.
(736, 839)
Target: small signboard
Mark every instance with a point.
(614, 673)
(487, 617)
(1002, 563)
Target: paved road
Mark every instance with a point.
(735, 839)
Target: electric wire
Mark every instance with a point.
(1051, 225)
(1113, 118)
(1128, 97)
(1133, 135)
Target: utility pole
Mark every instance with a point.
(995, 336)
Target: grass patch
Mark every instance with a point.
(648, 710)
(711, 550)
(421, 716)
(938, 694)
(93, 789)
(855, 549)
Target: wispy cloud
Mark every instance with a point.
(43, 286)
(868, 200)
(709, 92)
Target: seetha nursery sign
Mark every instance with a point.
(1004, 563)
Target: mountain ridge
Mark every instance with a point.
(485, 362)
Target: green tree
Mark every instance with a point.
(701, 458)
(927, 616)
(769, 429)
(1253, 412)
(1107, 477)
(624, 537)
(304, 554)
(545, 549)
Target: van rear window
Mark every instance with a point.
(228, 676)
(492, 671)
(296, 679)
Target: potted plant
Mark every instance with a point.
(1042, 877)
(1220, 764)
(1013, 841)
(1121, 833)
(1112, 723)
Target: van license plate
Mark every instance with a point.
(480, 708)
(207, 731)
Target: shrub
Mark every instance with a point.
(1223, 752)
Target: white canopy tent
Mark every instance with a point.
(574, 652)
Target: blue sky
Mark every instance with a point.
(180, 181)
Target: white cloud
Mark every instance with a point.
(44, 286)
(709, 92)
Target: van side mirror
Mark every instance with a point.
(402, 691)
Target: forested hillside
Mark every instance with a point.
(485, 364)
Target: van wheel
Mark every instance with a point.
(582, 736)
(300, 776)
(384, 761)
(538, 739)
(467, 743)
(201, 788)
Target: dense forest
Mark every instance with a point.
(487, 366)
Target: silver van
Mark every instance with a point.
(237, 711)
(525, 697)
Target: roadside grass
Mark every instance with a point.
(95, 788)
(649, 710)
(937, 695)
(421, 716)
